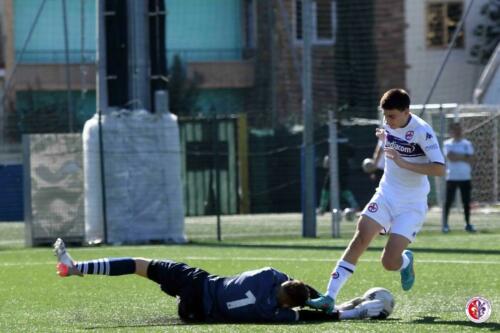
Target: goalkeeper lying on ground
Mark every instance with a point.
(262, 295)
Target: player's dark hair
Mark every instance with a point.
(395, 99)
(297, 292)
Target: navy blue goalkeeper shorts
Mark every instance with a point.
(179, 279)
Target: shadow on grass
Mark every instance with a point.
(152, 322)
(339, 248)
(175, 321)
(429, 320)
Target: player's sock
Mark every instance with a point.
(340, 275)
(406, 261)
(107, 266)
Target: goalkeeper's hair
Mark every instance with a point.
(395, 99)
(297, 292)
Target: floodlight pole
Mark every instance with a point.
(441, 180)
(139, 67)
(101, 81)
(102, 105)
(103, 180)
(334, 175)
(308, 176)
(69, 98)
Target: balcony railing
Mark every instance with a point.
(90, 56)
(201, 55)
(56, 57)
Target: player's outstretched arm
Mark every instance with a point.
(315, 315)
(363, 310)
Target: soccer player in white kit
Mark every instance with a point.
(399, 204)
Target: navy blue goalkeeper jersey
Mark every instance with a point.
(249, 296)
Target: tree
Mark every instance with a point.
(488, 33)
(183, 91)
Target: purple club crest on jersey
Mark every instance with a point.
(409, 135)
(373, 207)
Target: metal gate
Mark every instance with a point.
(214, 165)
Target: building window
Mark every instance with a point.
(442, 20)
(324, 21)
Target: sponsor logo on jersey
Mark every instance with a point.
(428, 136)
(405, 148)
(373, 207)
(409, 135)
(478, 309)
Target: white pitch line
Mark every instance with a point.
(427, 261)
(10, 242)
(25, 263)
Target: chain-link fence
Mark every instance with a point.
(233, 70)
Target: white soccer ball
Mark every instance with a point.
(349, 214)
(368, 165)
(385, 296)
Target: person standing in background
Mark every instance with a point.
(459, 153)
(348, 200)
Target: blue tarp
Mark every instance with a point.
(11, 193)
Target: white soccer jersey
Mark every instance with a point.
(416, 143)
(458, 170)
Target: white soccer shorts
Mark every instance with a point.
(402, 218)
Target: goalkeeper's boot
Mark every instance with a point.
(65, 264)
(324, 302)
(408, 274)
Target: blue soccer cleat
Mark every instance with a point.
(408, 274)
(324, 302)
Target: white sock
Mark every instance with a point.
(406, 261)
(340, 275)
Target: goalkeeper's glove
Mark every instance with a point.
(370, 309)
(324, 302)
(349, 305)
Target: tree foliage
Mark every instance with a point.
(183, 91)
(487, 33)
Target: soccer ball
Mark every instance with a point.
(385, 296)
(349, 214)
(368, 165)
